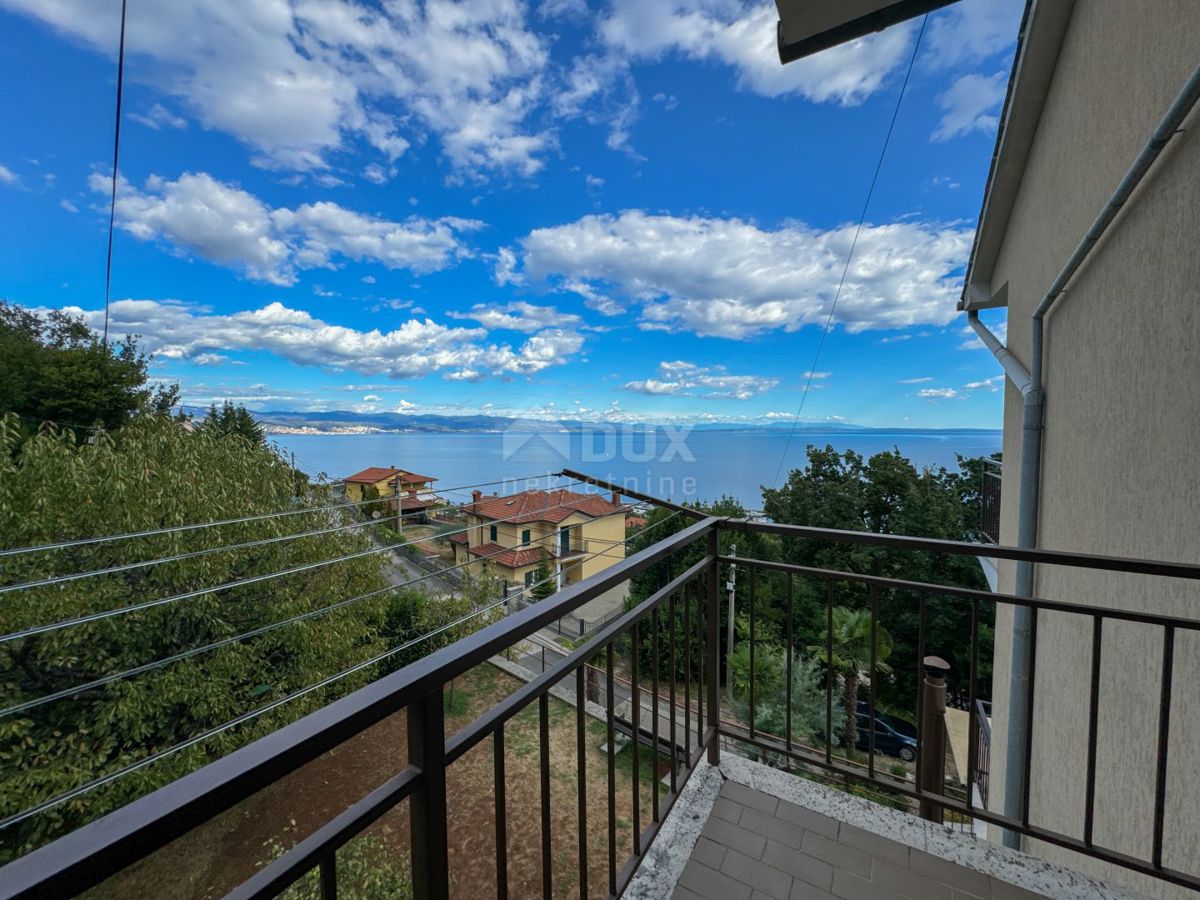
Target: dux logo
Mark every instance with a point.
(537, 440)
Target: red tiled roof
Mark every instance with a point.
(460, 538)
(510, 559)
(414, 503)
(635, 521)
(376, 474)
(543, 506)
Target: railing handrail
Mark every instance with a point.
(1190, 571)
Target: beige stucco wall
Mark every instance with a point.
(602, 536)
(1122, 434)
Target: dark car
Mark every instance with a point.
(893, 736)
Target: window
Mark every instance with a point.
(492, 533)
(525, 537)
(529, 578)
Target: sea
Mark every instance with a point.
(673, 463)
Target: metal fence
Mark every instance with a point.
(689, 603)
(989, 501)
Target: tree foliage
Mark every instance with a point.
(54, 368)
(886, 494)
(543, 584)
(233, 420)
(849, 654)
(151, 474)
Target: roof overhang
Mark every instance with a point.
(810, 26)
(1038, 46)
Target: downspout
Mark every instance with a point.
(1033, 394)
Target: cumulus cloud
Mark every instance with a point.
(688, 379)
(992, 384)
(971, 104)
(731, 278)
(299, 79)
(8, 176)
(519, 316)
(417, 347)
(229, 226)
(742, 36)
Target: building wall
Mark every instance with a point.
(1122, 428)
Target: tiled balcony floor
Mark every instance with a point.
(743, 831)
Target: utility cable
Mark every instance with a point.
(112, 210)
(850, 256)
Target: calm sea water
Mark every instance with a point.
(699, 465)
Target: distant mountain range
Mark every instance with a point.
(348, 422)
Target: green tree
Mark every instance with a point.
(886, 494)
(54, 368)
(232, 419)
(851, 658)
(544, 585)
(771, 697)
(151, 474)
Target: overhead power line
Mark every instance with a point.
(850, 256)
(112, 210)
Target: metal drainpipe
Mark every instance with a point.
(1033, 394)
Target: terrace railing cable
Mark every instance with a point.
(244, 582)
(174, 529)
(95, 783)
(245, 545)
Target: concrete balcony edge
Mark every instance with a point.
(666, 858)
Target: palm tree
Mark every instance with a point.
(852, 659)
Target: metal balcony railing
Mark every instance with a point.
(989, 501)
(694, 726)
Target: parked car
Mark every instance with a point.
(893, 736)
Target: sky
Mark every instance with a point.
(614, 211)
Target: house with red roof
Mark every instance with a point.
(576, 535)
(387, 481)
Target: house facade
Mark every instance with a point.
(388, 481)
(1112, 361)
(575, 535)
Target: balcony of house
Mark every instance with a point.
(989, 514)
(649, 761)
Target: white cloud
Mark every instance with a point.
(159, 117)
(231, 227)
(922, 380)
(416, 348)
(938, 393)
(404, 406)
(817, 376)
(594, 181)
(368, 279)
(372, 398)
(299, 79)
(742, 35)
(8, 176)
(971, 30)
(519, 316)
(688, 379)
(731, 278)
(68, 206)
(992, 384)
(971, 104)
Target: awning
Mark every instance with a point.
(810, 26)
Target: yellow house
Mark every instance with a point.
(577, 535)
(387, 481)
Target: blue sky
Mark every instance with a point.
(614, 211)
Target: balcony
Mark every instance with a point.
(989, 502)
(648, 783)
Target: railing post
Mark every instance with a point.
(933, 735)
(427, 807)
(712, 640)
